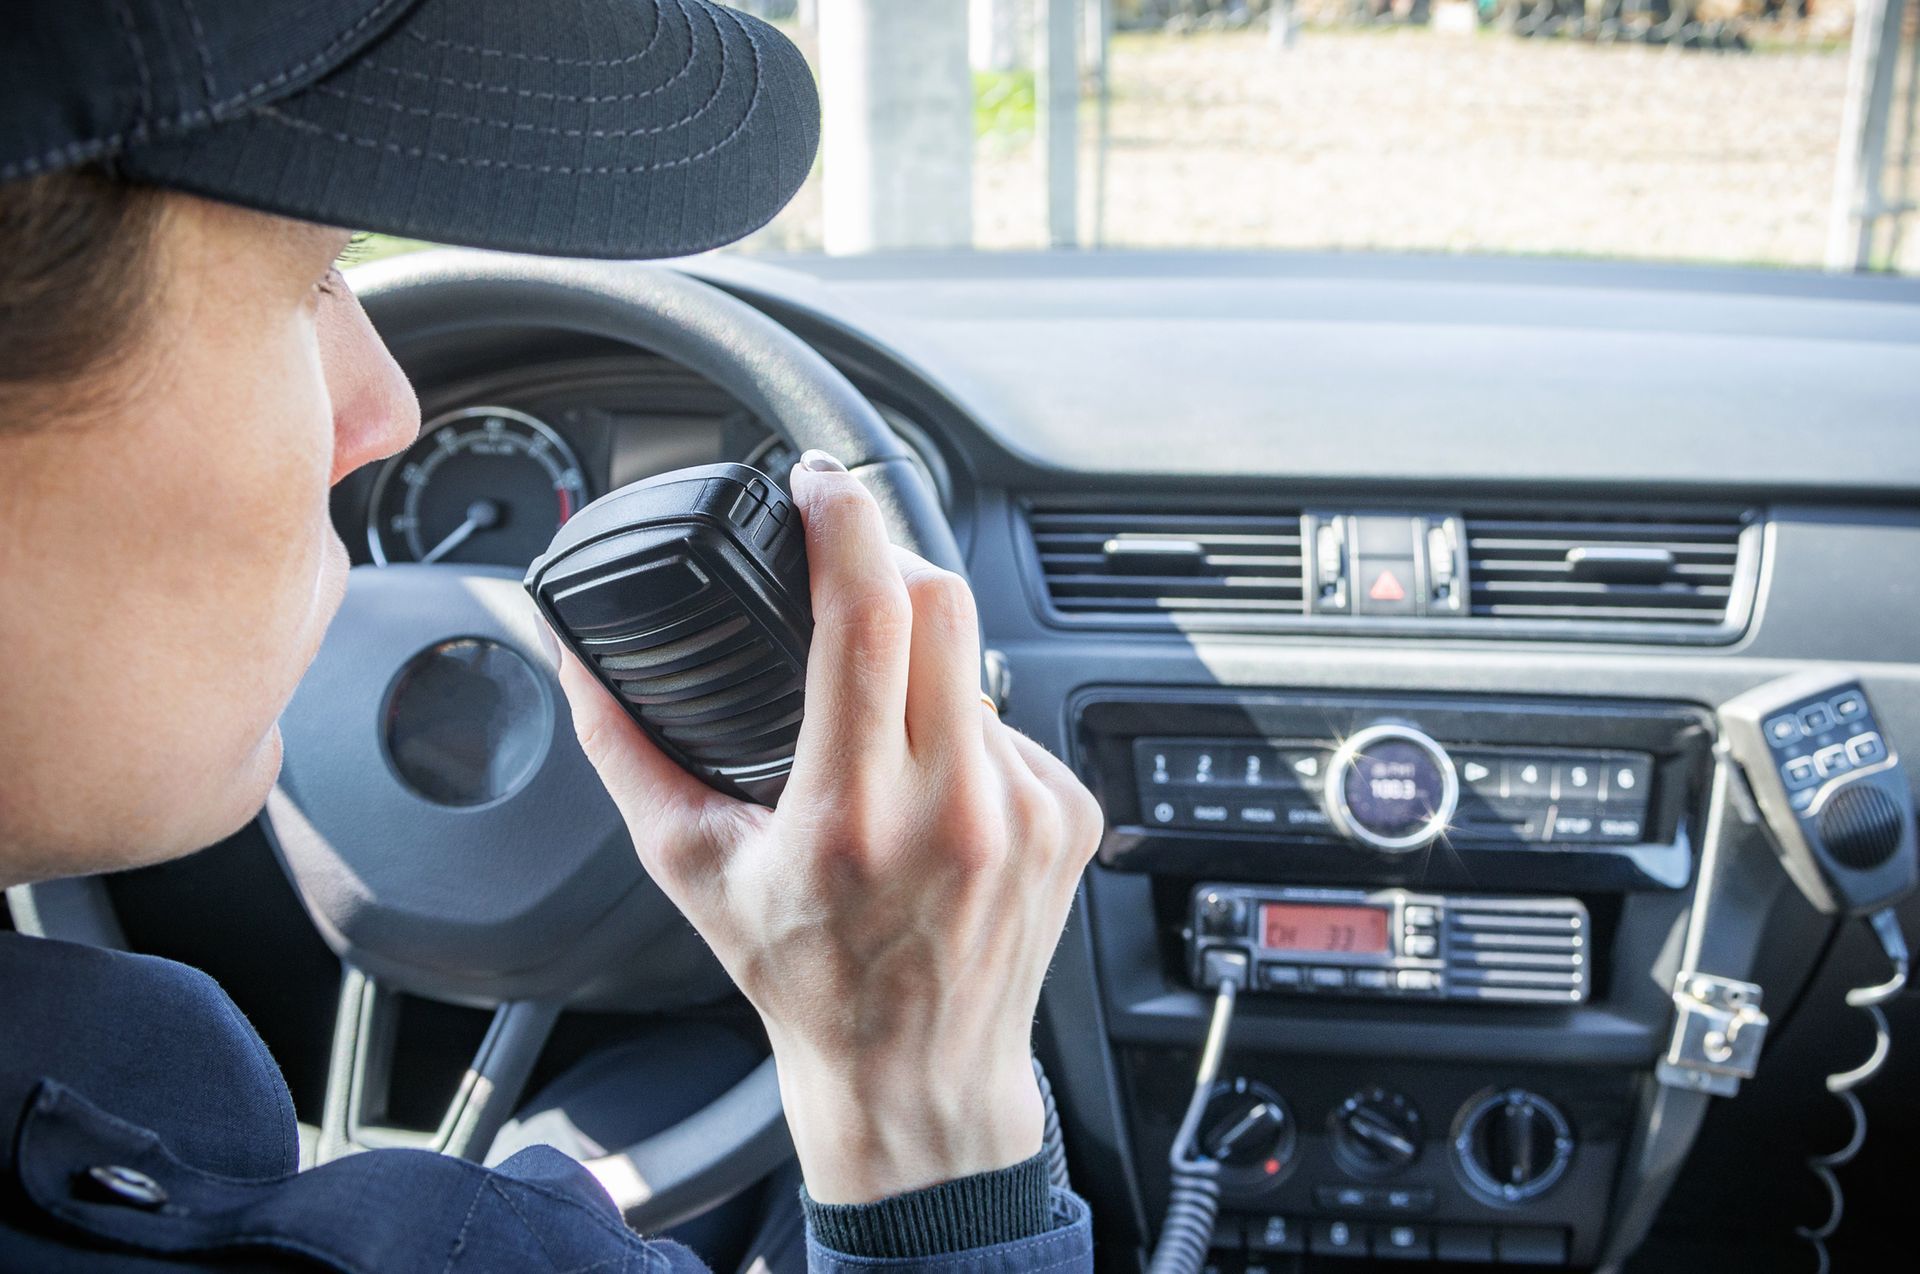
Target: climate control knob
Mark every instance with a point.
(1248, 1130)
(1391, 788)
(1375, 1133)
(1512, 1145)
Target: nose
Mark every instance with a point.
(375, 412)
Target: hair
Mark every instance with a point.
(76, 276)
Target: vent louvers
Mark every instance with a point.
(1673, 571)
(1143, 562)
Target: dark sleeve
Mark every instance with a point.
(984, 1210)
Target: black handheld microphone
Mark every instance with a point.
(1830, 788)
(687, 596)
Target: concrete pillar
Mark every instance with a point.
(1873, 62)
(1057, 88)
(896, 125)
(1000, 34)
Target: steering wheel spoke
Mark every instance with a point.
(360, 1068)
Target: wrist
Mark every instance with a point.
(872, 1131)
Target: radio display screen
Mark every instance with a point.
(1318, 927)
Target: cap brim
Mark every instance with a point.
(616, 128)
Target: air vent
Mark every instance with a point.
(1605, 570)
(1527, 952)
(1141, 563)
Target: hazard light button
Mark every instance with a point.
(1387, 587)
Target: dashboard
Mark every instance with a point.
(505, 458)
(1386, 604)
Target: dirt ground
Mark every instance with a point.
(1414, 139)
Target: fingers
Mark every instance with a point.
(943, 682)
(858, 665)
(1082, 819)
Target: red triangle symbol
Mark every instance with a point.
(1386, 588)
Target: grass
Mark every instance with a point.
(1004, 104)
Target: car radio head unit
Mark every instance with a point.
(1481, 795)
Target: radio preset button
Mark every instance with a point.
(1321, 978)
(1529, 776)
(1422, 945)
(1371, 980)
(1577, 778)
(1627, 780)
(1420, 916)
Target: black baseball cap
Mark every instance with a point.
(602, 128)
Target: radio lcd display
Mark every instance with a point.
(1317, 927)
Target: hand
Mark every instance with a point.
(893, 918)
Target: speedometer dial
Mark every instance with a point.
(482, 484)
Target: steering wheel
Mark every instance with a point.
(525, 894)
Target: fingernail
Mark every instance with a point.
(550, 645)
(821, 462)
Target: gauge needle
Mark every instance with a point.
(482, 515)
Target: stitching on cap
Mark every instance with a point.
(92, 148)
(136, 50)
(200, 45)
(569, 170)
(544, 95)
(516, 126)
(511, 55)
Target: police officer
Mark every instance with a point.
(183, 374)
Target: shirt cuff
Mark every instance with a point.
(984, 1210)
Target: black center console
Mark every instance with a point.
(1483, 884)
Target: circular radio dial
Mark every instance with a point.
(1512, 1145)
(1392, 788)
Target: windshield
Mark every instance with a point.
(1716, 130)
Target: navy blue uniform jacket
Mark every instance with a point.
(112, 1062)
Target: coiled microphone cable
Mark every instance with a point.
(1842, 1083)
(1193, 1204)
